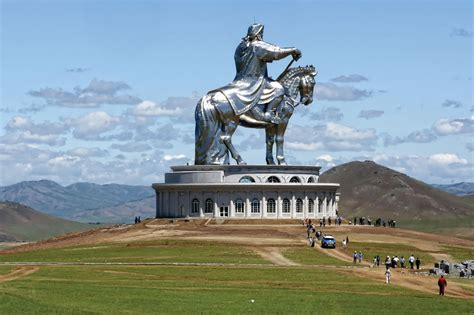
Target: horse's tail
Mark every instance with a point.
(208, 147)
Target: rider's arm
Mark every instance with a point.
(268, 52)
(264, 116)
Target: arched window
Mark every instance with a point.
(310, 206)
(295, 179)
(311, 179)
(286, 205)
(255, 206)
(320, 205)
(209, 206)
(239, 206)
(195, 206)
(299, 205)
(273, 179)
(247, 179)
(271, 206)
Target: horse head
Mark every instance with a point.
(300, 80)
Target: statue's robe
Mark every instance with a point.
(251, 84)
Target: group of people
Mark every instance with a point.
(381, 222)
(357, 257)
(138, 220)
(398, 262)
(322, 222)
(368, 221)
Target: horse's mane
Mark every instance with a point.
(294, 72)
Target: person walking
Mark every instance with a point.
(354, 256)
(388, 276)
(417, 263)
(402, 262)
(360, 256)
(388, 262)
(411, 260)
(442, 284)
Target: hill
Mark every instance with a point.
(52, 198)
(123, 213)
(22, 223)
(369, 189)
(459, 189)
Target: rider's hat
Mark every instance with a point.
(254, 30)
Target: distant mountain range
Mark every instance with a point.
(74, 201)
(459, 189)
(21, 223)
(369, 189)
(366, 189)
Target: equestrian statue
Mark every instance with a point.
(252, 100)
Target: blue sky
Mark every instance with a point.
(104, 91)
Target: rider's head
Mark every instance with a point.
(255, 31)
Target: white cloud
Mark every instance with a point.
(447, 126)
(97, 93)
(344, 133)
(330, 137)
(88, 152)
(301, 146)
(328, 114)
(446, 159)
(333, 92)
(350, 78)
(131, 147)
(92, 125)
(169, 157)
(149, 108)
(370, 113)
(325, 157)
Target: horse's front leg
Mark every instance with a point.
(270, 133)
(280, 139)
(227, 140)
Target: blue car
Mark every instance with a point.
(328, 241)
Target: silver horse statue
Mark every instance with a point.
(216, 121)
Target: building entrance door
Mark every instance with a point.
(224, 211)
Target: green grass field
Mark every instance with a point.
(137, 252)
(160, 289)
(113, 289)
(309, 256)
(459, 253)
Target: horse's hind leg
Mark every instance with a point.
(270, 133)
(280, 138)
(227, 140)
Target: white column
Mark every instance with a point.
(263, 212)
(305, 206)
(201, 205)
(278, 206)
(248, 211)
(293, 206)
(325, 210)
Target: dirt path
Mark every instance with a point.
(18, 272)
(411, 281)
(274, 255)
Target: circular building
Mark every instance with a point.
(245, 192)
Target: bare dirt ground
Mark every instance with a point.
(18, 272)
(268, 240)
(274, 255)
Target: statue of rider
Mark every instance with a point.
(251, 85)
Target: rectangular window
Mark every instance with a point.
(239, 206)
